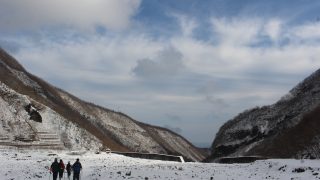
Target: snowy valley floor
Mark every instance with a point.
(31, 165)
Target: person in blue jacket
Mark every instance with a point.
(76, 167)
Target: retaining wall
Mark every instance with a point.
(163, 157)
(242, 159)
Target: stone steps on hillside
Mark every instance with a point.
(45, 140)
(34, 145)
(48, 139)
(40, 138)
(41, 146)
(4, 139)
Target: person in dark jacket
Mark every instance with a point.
(61, 169)
(69, 170)
(54, 168)
(76, 167)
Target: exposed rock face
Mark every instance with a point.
(286, 129)
(35, 114)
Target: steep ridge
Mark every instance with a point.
(172, 142)
(137, 136)
(286, 129)
(32, 90)
(65, 121)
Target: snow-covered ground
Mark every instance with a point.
(29, 164)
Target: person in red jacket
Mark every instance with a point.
(61, 169)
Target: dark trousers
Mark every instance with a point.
(76, 176)
(69, 173)
(55, 175)
(60, 174)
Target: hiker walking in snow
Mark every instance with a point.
(76, 167)
(69, 170)
(61, 169)
(54, 168)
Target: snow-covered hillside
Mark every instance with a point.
(25, 164)
(138, 137)
(53, 132)
(123, 129)
(288, 128)
(35, 114)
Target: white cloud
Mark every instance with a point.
(238, 52)
(273, 29)
(243, 73)
(187, 24)
(110, 60)
(309, 31)
(236, 31)
(21, 14)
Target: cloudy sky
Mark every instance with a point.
(188, 65)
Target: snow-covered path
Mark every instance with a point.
(31, 165)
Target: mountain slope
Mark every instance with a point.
(286, 129)
(52, 118)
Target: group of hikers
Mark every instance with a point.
(57, 168)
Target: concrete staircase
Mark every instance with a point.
(49, 140)
(43, 139)
(46, 140)
(4, 139)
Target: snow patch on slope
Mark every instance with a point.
(178, 144)
(15, 122)
(121, 127)
(71, 134)
(25, 79)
